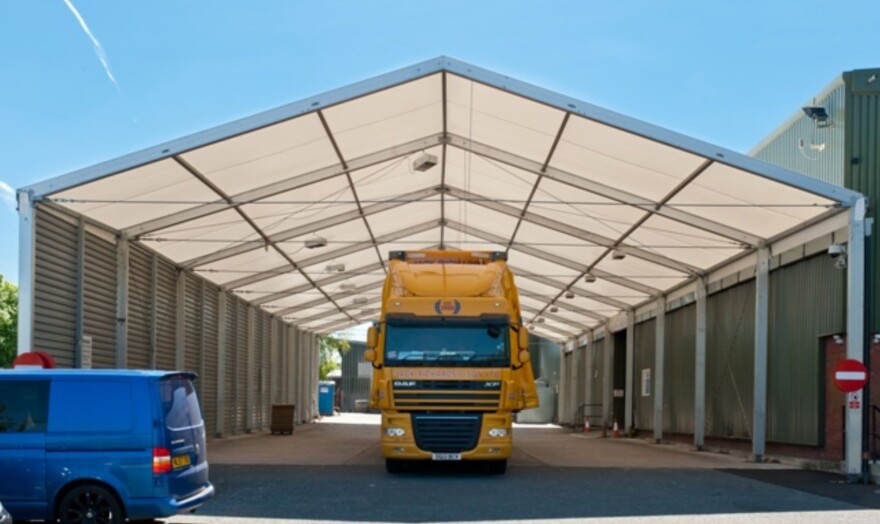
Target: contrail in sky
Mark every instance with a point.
(7, 194)
(98, 49)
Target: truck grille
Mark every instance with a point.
(446, 395)
(447, 433)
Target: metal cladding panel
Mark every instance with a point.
(192, 315)
(55, 269)
(231, 381)
(241, 365)
(140, 305)
(730, 360)
(356, 372)
(679, 366)
(166, 316)
(807, 301)
(803, 146)
(862, 162)
(645, 347)
(596, 354)
(208, 379)
(99, 300)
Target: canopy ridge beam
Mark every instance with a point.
(563, 305)
(282, 186)
(605, 191)
(588, 236)
(363, 270)
(267, 242)
(444, 147)
(317, 302)
(312, 227)
(540, 174)
(350, 184)
(354, 248)
(489, 237)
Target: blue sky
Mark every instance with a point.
(724, 72)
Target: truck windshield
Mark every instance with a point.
(447, 343)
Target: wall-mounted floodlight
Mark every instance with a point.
(817, 113)
(312, 243)
(335, 267)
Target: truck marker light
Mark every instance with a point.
(161, 461)
(395, 432)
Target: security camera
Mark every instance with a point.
(836, 250)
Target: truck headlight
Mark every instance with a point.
(497, 432)
(395, 432)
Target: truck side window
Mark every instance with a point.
(24, 406)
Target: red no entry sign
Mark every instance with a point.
(850, 375)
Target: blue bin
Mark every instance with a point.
(326, 394)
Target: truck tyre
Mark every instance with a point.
(496, 467)
(90, 503)
(394, 466)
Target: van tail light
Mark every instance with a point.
(161, 461)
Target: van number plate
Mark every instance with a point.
(180, 461)
(447, 456)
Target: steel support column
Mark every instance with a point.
(762, 337)
(588, 383)
(79, 329)
(659, 357)
(180, 327)
(855, 327)
(122, 269)
(564, 377)
(154, 316)
(26, 265)
(629, 396)
(221, 362)
(700, 367)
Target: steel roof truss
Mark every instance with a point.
(323, 282)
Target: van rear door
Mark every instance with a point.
(184, 435)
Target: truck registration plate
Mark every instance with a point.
(447, 456)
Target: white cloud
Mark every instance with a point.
(99, 51)
(7, 195)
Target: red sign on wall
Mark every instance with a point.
(850, 375)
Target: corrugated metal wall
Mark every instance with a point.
(643, 355)
(806, 302)
(805, 147)
(679, 365)
(596, 354)
(75, 294)
(55, 287)
(862, 159)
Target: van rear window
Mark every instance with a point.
(180, 404)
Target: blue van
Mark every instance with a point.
(101, 446)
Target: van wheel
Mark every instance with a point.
(394, 466)
(89, 504)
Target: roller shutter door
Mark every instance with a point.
(166, 316)
(99, 300)
(140, 306)
(208, 379)
(55, 269)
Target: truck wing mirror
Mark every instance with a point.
(523, 338)
(524, 357)
(372, 337)
(370, 355)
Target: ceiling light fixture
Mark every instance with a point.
(589, 278)
(312, 243)
(424, 162)
(360, 300)
(554, 309)
(569, 294)
(335, 267)
(618, 254)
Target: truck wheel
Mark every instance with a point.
(89, 504)
(394, 466)
(496, 467)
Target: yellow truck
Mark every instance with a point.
(450, 359)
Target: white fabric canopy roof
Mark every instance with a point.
(565, 187)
